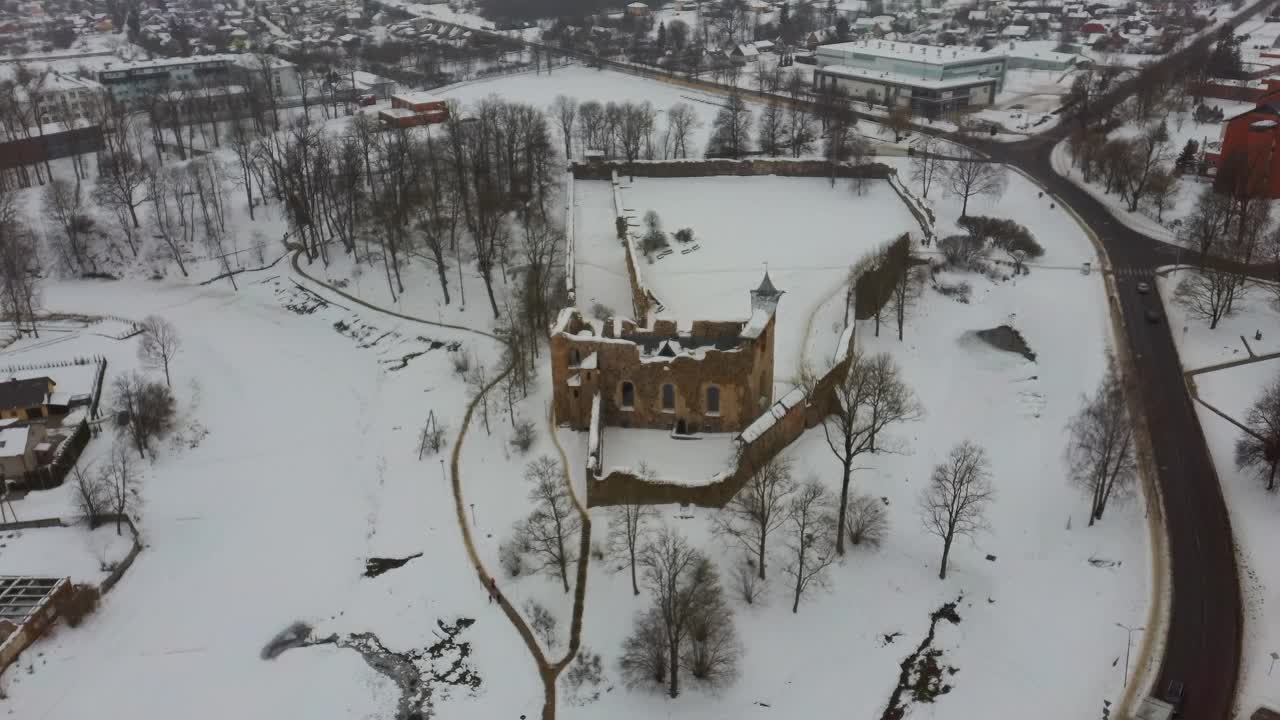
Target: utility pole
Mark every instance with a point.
(1127, 647)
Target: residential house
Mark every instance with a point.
(18, 441)
(27, 399)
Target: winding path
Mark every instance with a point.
(548, 670)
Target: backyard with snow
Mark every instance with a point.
(311, 547)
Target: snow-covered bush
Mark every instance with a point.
(461, 360)
(600, 311)
(542, 622)
(523, 435)
(511, 558)
(867, 521)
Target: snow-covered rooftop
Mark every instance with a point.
(928, 54)
(13, 441)
(896, 78)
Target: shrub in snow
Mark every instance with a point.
(684, 235)
(867, 522)
(746, 580)
(600, 311)
(511, 558)
(78, 603)
(963, 252)
(461, 360)
(653, 241)
(652, 223)
(523, 435)
(960, 292)
(585, 675)
(432, 439)
(542, 622)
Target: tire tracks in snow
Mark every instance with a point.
(548, 671)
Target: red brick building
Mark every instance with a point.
(415, 108)
(1250, 152)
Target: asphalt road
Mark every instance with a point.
(1203, 643)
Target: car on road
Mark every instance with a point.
(1153, 316)
(1144, 288)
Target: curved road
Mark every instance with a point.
(1202, 648)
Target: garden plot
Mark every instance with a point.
(84, 555)
(805, 230)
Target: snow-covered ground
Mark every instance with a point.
(1200, 347)
(1037, 621)
(309, 466)
(1253, 510)
(679, 461)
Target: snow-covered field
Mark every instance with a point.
(309, 466)
(1253, 510)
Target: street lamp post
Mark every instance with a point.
(473, 515)
(1128, 645)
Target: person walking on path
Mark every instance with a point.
(493, 589)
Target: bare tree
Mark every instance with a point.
(645, 657)
(682, 121)
(144, 409)
(1150, 152)
(899, 121)
(1205, 227)
(711, 655)
(867, 523)
(972, 177)
(731, 130)
(92, 497)
(19, 267)
(629, 529)
(689, 611)
(955, 503)
(565, 111)
(811, 532)
(1259, 449)
(65, 210)
(160, 343)
(871, 397)
(771, 133)
(925, 163)
(757, 510)
(1100, 453)
(119, 478)
(547, 535)
(906, 292)
(1208, 293)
